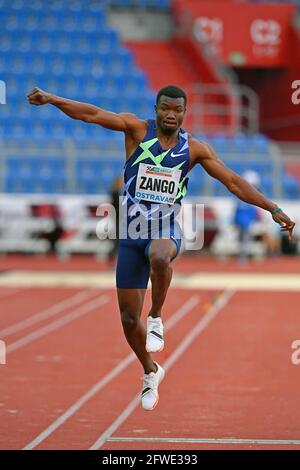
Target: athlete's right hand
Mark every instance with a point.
(38, 97)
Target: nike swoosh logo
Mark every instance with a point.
(176, 154)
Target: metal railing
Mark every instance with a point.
(70, 153)
(223, 108)
(67, 150)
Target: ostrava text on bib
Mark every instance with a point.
(157, 183)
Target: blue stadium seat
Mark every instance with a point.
(239, 143)
(6, 43)
(159, 4)
(262, 167)
(14, 185)
(88, 168)
(121, 3)
(267, 185)
(220, 143)
(236, 166)
(88, 187)
(220, 190)
(259, 143)
(290, 187)
(195, 182)
(16, 5)
(68, 48)
(56, 6)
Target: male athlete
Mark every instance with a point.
(159, 155)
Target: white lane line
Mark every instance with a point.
(48, 312)
(82, 310)
(206, 440)
(175, 318)
(183, 346)
(248, 281)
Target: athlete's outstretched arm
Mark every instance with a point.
(239, 186)
(124, 122)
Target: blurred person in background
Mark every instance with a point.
(251, 226)
(55, 232)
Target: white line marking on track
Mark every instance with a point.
(44, 330)
(183, 346)
(48, 312)
(175, 318)
(206, 440)
(249, 281)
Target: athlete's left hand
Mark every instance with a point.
(287, 225)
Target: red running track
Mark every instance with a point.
(235, 380)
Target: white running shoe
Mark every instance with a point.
(150, 395)
(155, 335)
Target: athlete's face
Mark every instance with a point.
(170, 113)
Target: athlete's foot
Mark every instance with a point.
(151, 382)
(155, 334)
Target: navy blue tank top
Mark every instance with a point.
(149, 172)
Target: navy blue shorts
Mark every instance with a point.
(133, 268)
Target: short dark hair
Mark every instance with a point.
(171, 91)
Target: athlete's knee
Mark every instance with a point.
(129, 319)
(160, 262)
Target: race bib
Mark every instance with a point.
(157, 184)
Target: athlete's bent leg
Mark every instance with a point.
(131, 304)
(161, 252)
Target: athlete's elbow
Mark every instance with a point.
(76, 117)
(233, 184)
(233, 188)
(85, 118)
(90, 117)
(230, 184)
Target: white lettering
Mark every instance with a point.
(113, 460)
(106, 227)
(296, 94)
(295, 358)
(2, 92)
(2, 352)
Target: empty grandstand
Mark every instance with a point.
(69, 49)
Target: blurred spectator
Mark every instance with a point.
(245, 215)
(53, 234)
(251, 226)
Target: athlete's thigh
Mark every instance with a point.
(133, 267)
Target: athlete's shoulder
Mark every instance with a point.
(199, 149)
(136, 133)
(133, 122)
(197, 143)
